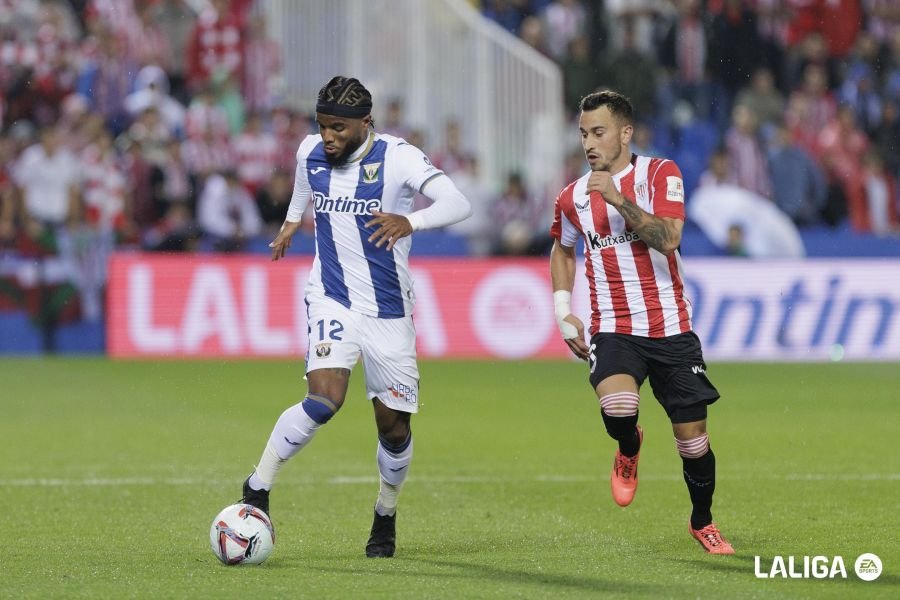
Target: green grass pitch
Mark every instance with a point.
(112, 471)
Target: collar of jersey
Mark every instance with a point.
(362, 150)
(618, 176)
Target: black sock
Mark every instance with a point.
(624, 431)
(700, 477)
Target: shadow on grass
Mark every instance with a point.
(499, 575)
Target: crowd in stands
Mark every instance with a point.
(162, 124)
(793, 101)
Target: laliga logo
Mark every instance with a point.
(867, 567)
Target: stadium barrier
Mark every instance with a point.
(247, 306)
(510, 108)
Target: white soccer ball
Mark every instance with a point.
(242, 535)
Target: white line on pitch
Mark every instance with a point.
(368, 479)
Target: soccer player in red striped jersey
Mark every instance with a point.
(629, 211)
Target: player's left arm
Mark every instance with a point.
(448, 206)
(662, 232)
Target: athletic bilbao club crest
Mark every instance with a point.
(370, 172)
(323, 350)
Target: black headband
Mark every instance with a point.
(342, 110)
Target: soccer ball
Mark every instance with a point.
(242, 535)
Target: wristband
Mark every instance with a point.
(562, 306)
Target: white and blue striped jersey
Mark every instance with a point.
(347, 267)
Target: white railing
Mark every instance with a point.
(443, 61)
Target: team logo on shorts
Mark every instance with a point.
(323, 350)
(370, 172)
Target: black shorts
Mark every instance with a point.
(674, 364)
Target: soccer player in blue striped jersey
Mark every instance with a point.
(360, 296)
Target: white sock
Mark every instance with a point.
(292, 432)
(267, 469)
(393, 467)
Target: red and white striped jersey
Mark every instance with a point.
(635, 290)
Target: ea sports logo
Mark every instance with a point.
(867, 567)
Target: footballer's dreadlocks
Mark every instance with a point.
(344, 97)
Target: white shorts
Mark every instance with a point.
(338, 337)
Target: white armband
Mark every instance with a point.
(562, 306)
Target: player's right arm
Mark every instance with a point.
(562, 275)
(299, 200)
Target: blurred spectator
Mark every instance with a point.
(273, 199)
(256, 153)
(810, 108)
(798, 184)
(841, 147)
(205, 117)
(517, 221)
(837, 22)
(632, 72)
(226, 213)
(812, 50)
(151, 89)
(177, 19)
(581, 74)
(718, 171)
(106, 198)
(642, 140)
(763, 98)
(859, 92)
(170, 183)
(138, 174)
(734, 43)
(531, 31)
(885, 138)
(506, 13)
(745, 151)
(289, 128)
(262, 66)
(451, 157)
(478, 228)
(150, 42)
(641, 13)
(152, 135)
(48, 177)
(227, 96)
(879, 215)
(563, 21)
(206, 155)
(175, 232)
(107, 79)
(107, 222)
(736, 244)
(773, 18)
(882, 19)
(394, 122)
(74, 131)
(216, 44)
(8, 220)
(684, 53)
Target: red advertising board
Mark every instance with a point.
(246, 306)
(211, 305)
